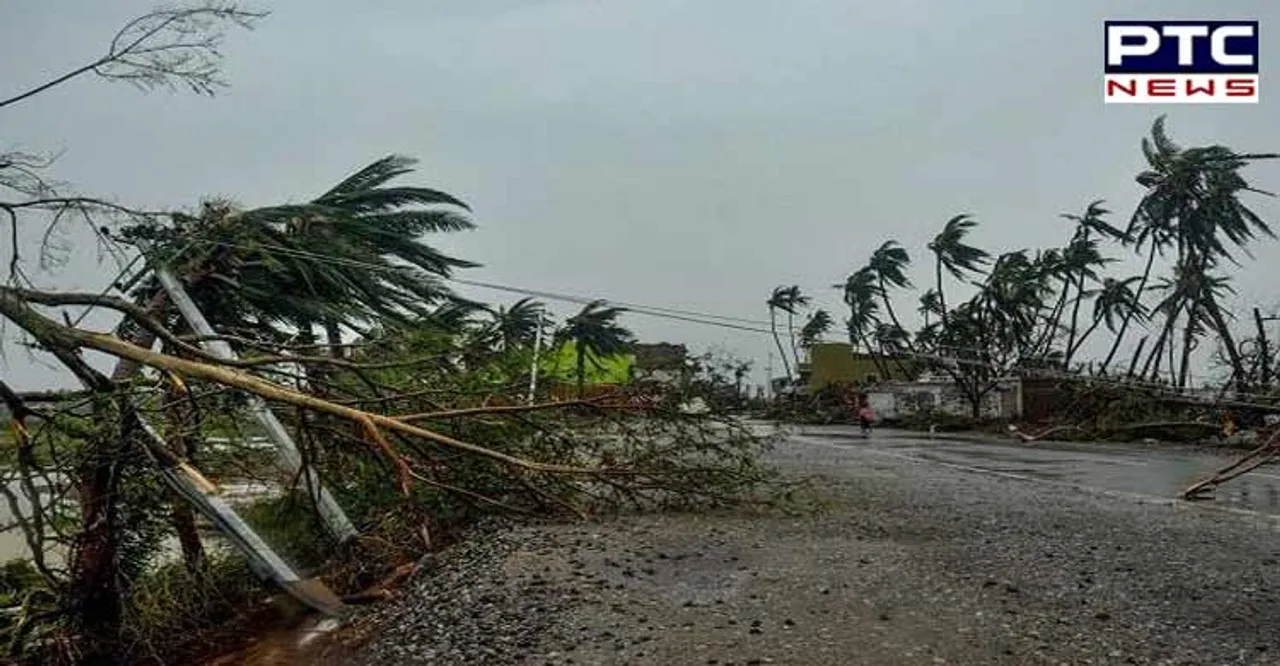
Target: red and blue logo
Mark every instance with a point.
(1181, 62)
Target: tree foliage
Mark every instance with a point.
(1034, 310)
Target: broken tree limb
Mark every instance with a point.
(503, 409)
(1245, 464)
(62, 340)
(1013, 430)
(146, 319)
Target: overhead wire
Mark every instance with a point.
(653, 311)
(624, 304)
(709, 319)
(691, 316)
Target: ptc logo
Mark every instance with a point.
(1181, 62)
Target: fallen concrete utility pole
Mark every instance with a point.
(289, 458)
(201, 494)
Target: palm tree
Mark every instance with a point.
(930, 305)
(892, 342)
(972, 349)
(518, 324)
(781, 298)
(1186, 294)
(797, 301)
(859, 293)
(353, 254)
(1192, 204)
(951, 253)
(889, 265)
(1180, 291)
(1113, 302)
(1082, 259)
(595, 333)
(1012, 300)
(815, 327)
(818, 325)
(1081, 263)
(1049, 267)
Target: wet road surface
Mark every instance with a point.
(1156, 470)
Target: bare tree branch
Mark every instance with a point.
(164, 48)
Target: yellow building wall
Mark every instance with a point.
(835, 362)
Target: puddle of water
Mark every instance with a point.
(312, 642)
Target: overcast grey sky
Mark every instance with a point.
(687, 154)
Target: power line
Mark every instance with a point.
(706, 319)
(650, 310)
(584, 300)
(653, 311)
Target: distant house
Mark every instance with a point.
(661, 361)
(837, 363)
(897, 399)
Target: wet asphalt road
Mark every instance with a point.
(1146, 470)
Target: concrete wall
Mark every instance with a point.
(898, 399)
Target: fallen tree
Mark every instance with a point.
(574, 458)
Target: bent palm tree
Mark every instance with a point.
(889, 264)
(859, 292)
(349, 256)
(930, 305)
(818, 325)
(1113, 303)
(951, 253)
(781, 298)
(797, 300)
(1192, 204)
(518, 324)
(595, 333)
(352, 255)
(1082, 259)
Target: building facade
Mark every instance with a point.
(837, 363)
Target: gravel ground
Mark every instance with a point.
(906, 563)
